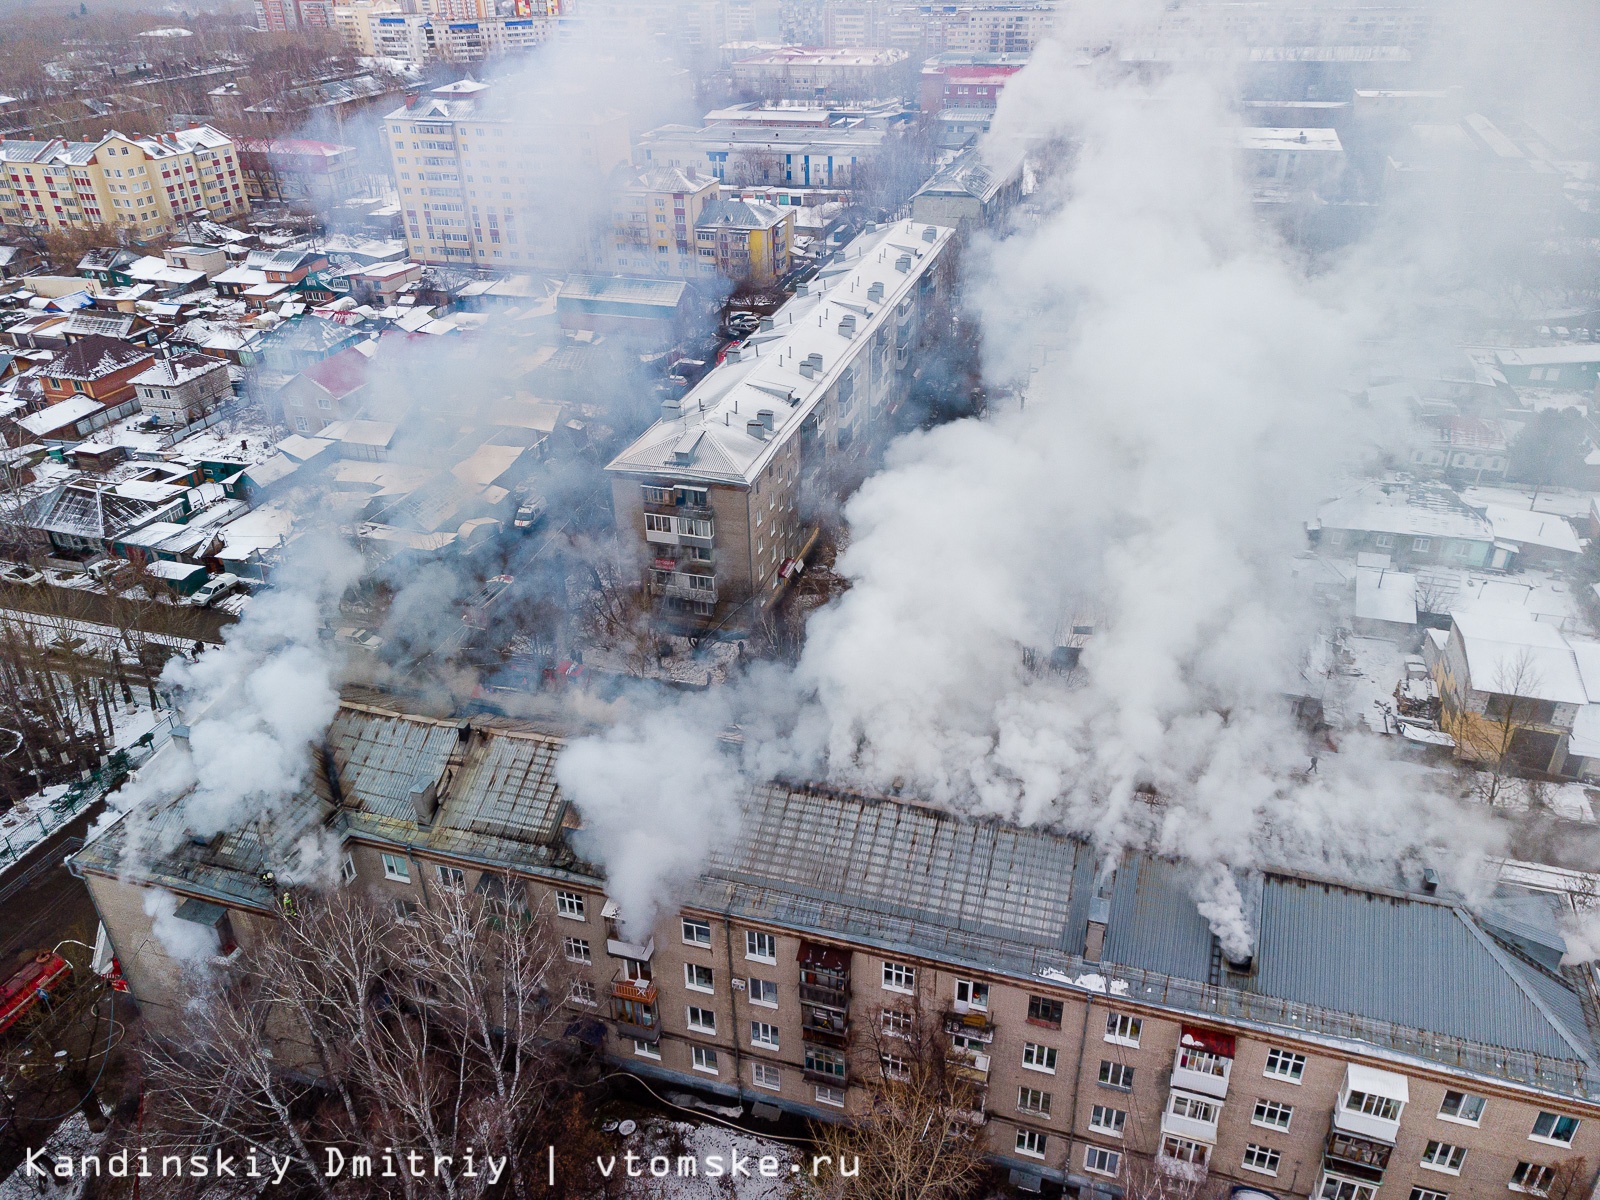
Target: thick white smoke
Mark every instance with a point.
(256, 704)
(1186, 403)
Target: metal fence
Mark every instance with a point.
(961, 947)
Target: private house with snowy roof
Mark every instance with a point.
(179, 389)
(1413, 523)
(1330, 1040)
(82, 520)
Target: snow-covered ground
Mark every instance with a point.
(705, 1143)
(72, 1138)
(1573, 801)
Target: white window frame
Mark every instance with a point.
(895, 1023)
(1444, 1157)
(1546, 1174)
(1419, 545)
(1123, 1030)
(1122, 1072)
(571, 906)
(1098, 1160)
(754, 939)
(1556, 1119)
(1204, 1109)
(1267, 1160)
(1295, 1062)
(692, 927)
(899, 977)
(704, 1060)
(582, 991)
(1031, 1143)
(765, 1075)
(1456, 1118)
(973, 993)
(701, 1020)
(452, 879)
(1039, 1057)
(396, 869)
(1032, 1100)
(347, 869)
(764, 1035)
(691, 974)
(1189, 1150)
(1107, 1120)
(1418, 1192)
(1265, 1110)
(576, 950)
(1371, 1104)
(756, 993)
(833, 1097)
(1384, 541)
(646, 1050)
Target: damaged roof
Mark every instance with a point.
(97, 356)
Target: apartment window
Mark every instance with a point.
(1031, 1143)
(1463, 1107)
(582, 992)
(405, 910)
(1202, 1062)
(1422, 1193)
(1104, 1119)
(1532, 1177)
(1420, 544)
(1097, 1160)
(576, 950)
(762, 1034)
(1282, 1064)
(1039, 1058)
(1032, 1100)
(1185, 1151)
(1384, 1108)
(704, 1059)
(570, 905)
(765, 1075)
(1261, 1158)
(646, 1050)
(1272, 1114)
(697, 978)
(1552, 1127)
(452, 879)
(1442, 1156)
(897, 977)
(833, 1097)
(895, 1067)
(702, 1020)
(1122, 1029)
(347, 869)
(762, 947)
(694, 527)
(896, 1023)
(696, 933)
(657, 495)
(656, 523)
(1043, 1011)
(1116, 1075)
(1195, 1108)
(764, 992)
(1383, 541)
(974, 995)
(823, 1061)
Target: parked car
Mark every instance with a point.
(21, 574)
(363, 638)
(531, 511)
(109, 570)
(212, 589)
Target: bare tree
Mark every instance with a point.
(1491, 739)
(916, 1133)
(1164, 1179)
(350, 1028)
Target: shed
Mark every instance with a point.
(184, 579)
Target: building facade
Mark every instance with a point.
(653, 217)
(298, 171)
(179, 389)
(1373, 1042)
(147, 185)
(718, 495)
(420, 39)
(746, 240)
(495, 191)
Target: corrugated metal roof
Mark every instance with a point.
(1154, 923)
(909, 862)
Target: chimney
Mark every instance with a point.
(766, 417)
(671, 409)
(1430, 880)
(1094, 938)
(424, 799)
(756, 429)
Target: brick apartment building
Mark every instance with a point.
(1378, 1043)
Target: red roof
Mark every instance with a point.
(339, 374)
(291, 146)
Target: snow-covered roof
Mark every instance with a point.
(1386, 595)
(1511, 655)
(178, 370)
(843, 308)
(1528, 528)
(59, 416)
(1413, 510)
(96, 356)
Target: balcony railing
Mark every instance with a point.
(811, 993)
(973, 1025)
(640, 991)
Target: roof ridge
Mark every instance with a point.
(1584, 1051)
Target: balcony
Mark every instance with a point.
(686, 586)
(825, 1026)
(974, 1026)
(971, 1065)
(1355, 1157)
(661, 537)
(832, 997)
(640, 1033)
(1190, 1128)
(639, 991)
(1201, 1071)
